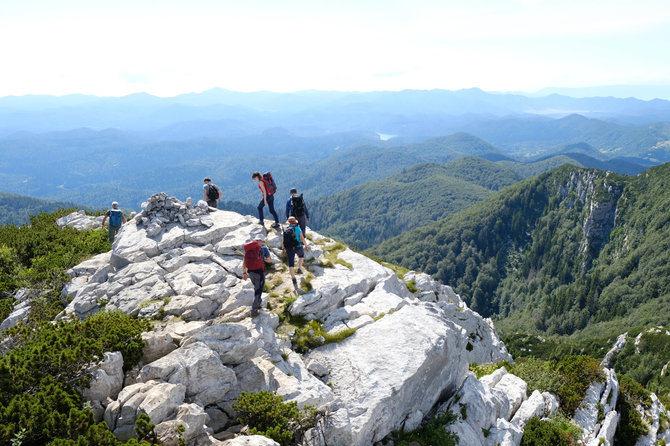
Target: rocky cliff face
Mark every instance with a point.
(182, 265)
(601, 196)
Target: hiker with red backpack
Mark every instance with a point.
(268, 188)
(296, 207)
(253, 268)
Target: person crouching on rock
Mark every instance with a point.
(253, 268)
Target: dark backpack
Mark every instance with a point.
(270, 185)
(253, 259)
(115, 217)
(212, 192)
(298, 205)
(290, 242)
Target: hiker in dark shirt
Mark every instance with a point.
(296, 207)
(211, 193)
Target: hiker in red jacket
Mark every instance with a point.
(253, 268)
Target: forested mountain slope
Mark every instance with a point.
(365, 163)
(17, 209)
(568, 249)
(377, 210)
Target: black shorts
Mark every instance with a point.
(290, 255)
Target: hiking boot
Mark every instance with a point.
(275, 225)
(260, 222)
(299, 271)
(255, 313)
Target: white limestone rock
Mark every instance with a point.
(156, 345)
(79, 220)
(106, 378)
(534, 406)
(190, 307)
(515, 389)
(504, 433)
(652, 415)
(197, 368)
(20, 313)
(191, 417)
(251, 440)
(598, 395)
(389, 370)
(233, 342)
(476, 408)
(607, 430)
(158, 400)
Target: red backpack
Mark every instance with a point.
(253, 259)
(270, 185)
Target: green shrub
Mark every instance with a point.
(47, 362)
(544, 433)
(266, 414)
(631, 425)
(486, 369)
(44, 251)
(431, 433)
(569, 378)
(9, 269)
(538, 374)
(579, 372)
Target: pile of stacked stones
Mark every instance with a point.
(160, 210)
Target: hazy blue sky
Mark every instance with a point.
(168, 47)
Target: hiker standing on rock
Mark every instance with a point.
(116, 219)
(253, 268)
(296, 207)
(292, 243)
(211, 193)
(268, 188)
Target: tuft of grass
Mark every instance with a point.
(488, 368)
(311, 335)
(331, 252)
(306, 285)
(411, 286)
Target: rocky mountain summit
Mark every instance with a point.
(409, 345)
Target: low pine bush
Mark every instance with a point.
(544, 433)
(40, 374)
(267, 414)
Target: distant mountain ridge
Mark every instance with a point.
(386, 111)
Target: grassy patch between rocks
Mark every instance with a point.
(431, 432)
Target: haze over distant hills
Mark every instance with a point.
(93, 150)
(416, 113)
(644, 92)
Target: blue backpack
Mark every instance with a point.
(115, 217)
